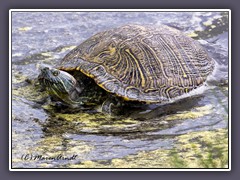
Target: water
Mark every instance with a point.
(190, 133)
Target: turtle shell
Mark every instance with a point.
(142, 63)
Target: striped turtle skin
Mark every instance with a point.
(142, 63)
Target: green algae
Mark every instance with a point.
(84, 122)
(53, 145)
(206, 149)
(196, 112)
(95, 123)
(29, 92)
(24, 28)
(212, 27)
(65, 49)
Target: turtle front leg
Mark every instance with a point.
(112, 106)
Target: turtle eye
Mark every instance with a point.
(55, 72)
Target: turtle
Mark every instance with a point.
(129, 64)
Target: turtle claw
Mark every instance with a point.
(111, 106)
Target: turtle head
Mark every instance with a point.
(59, 84)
